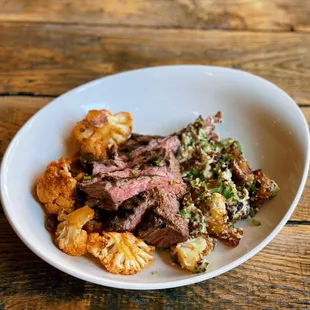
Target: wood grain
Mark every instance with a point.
(16, 110)
(221, 14)
(29, 283)
(50, 59)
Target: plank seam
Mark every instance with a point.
(27, 94)
(198, 27)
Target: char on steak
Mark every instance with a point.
(122, 159)
(162, 227)
(136, 140)
(131, 213)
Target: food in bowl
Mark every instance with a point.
(125, 194)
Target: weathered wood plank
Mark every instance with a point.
(277, 277)
(51, 59)
(235, 14)
(16, 110)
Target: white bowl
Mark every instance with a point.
(271, 128)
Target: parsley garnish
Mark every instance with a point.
(238, 147)
(227, 193)
(87, 177)
(228, 157)
(222, 189)
(199, 122)
(254, 221)
(202, 135)
(251, 186)
(154, 273)
(157, 161)
(128, 154)
(215, 190)
(133, 172)
(184, 213)
(195, 173)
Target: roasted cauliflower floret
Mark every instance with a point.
(100, 130)
(191, 254)
(265, 189)
(239, 166)
(56, 188)
(120, 253)
(70, 237)
(218, 221)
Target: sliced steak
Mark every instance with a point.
(121, 161)
(113, 191)
(115, 162)
(130, 219)
(159, 168)
(137, 140)
(159, 162)
(162, 227)
(170, 143)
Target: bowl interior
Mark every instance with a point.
(265, 120)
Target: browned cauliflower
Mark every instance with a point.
(192, 253)
(100, 130)
(265, 189)
(70, 237)
(120, 253)
(218, 221)
(56, 188)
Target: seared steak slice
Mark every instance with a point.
(159, 162)
(113, 191)
(121, 161)
(137, 140)
(162, 232)
(159, 168)
(170, 143)
(130, 219)
(115, 162)
(162, 227)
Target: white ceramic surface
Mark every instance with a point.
(272, 131)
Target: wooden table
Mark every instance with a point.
(49, 47)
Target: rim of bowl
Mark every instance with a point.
(167, 284)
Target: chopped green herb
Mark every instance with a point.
(202, 135)
(132, 172)
(172, 182)
(154, 273)
(215, 190)
(251, 186)
(238, 147)
(199, 122)
(87, 177)
(157, 161)
(254, 221)
(128, 154)
(195, 173)
(184, 213)
(218, 144)
(228, 157)
(227, 193)
(219, 181)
